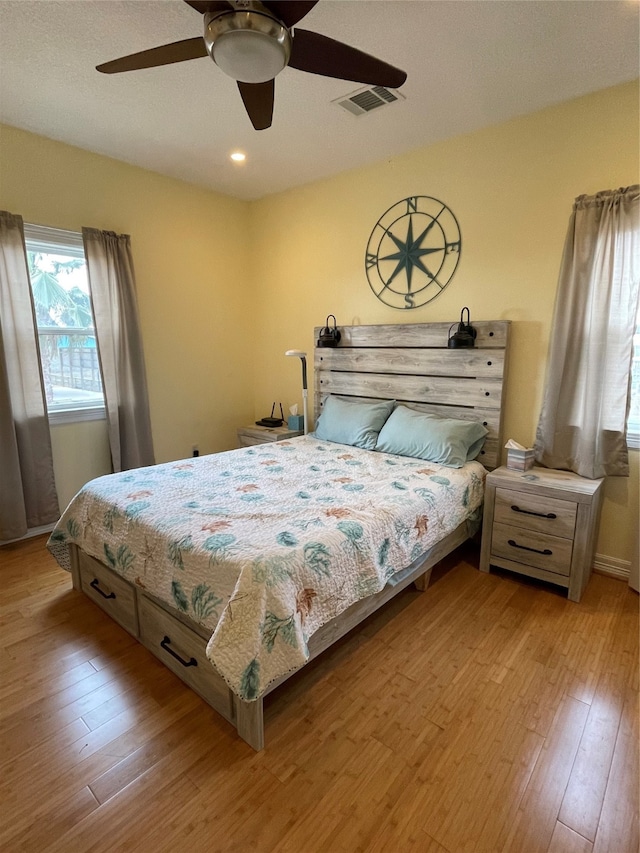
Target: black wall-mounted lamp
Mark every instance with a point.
(330, 335)
(465, 336)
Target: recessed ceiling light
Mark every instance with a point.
(238, 157)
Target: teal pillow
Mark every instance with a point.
(447, 441)
(352, 422)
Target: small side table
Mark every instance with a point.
(250, 435)
(542, 523)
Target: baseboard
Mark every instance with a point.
(33, 531)
(611, 566)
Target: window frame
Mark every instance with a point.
(47, 240)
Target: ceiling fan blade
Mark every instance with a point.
(319, 54)
(289, 11)
(204, 6)
(178, 51)
(258, 102)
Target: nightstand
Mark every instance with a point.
(261, 435)
(542, 523)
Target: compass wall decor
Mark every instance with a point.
(413, 252)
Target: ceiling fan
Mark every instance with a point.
(253, 41)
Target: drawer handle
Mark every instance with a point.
(165, 644)
(95, 584)
(547, 551)
(531, 512)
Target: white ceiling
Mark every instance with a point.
(470, 64)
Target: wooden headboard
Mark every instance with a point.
(413, 365)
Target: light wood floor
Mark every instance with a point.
(486, 714)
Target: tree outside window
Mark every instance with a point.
(68, 349)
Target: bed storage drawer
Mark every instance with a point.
(184, 653)
(110, 592)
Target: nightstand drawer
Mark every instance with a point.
(250, 440)
(536, 512)
(551, 553)
(248, 436)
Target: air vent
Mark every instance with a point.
(365, 100)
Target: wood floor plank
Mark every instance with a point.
(535, 822)
(214, 820)
(56, 699)
(407, 839)
(159, 792)
(582, 802)
(36, 833)
(492, 755)
(356, 804)
(22, 691)
(40, 721)
(139, 761)
(618, 825)
(90, 754)
(565, 840)
(45, 782)
(464, 719)
(109, 828)
(94, 753)
(22, 741)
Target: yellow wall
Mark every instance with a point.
(511, 188)
(80, 453)
(191, 269)
(217, 316)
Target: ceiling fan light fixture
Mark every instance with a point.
(252, 42)
(248, 46)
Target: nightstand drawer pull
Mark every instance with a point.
(547, 551)
(165, 645)
(95, 584)
(531, 512)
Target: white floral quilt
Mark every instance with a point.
(265, 544)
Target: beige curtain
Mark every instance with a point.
(582, 425)
(28, 497)
(115, 311)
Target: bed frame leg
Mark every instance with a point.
(422, 582)
(75, 567)
(250, 722)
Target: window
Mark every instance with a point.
(64, 317)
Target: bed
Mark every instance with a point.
(238, 568)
